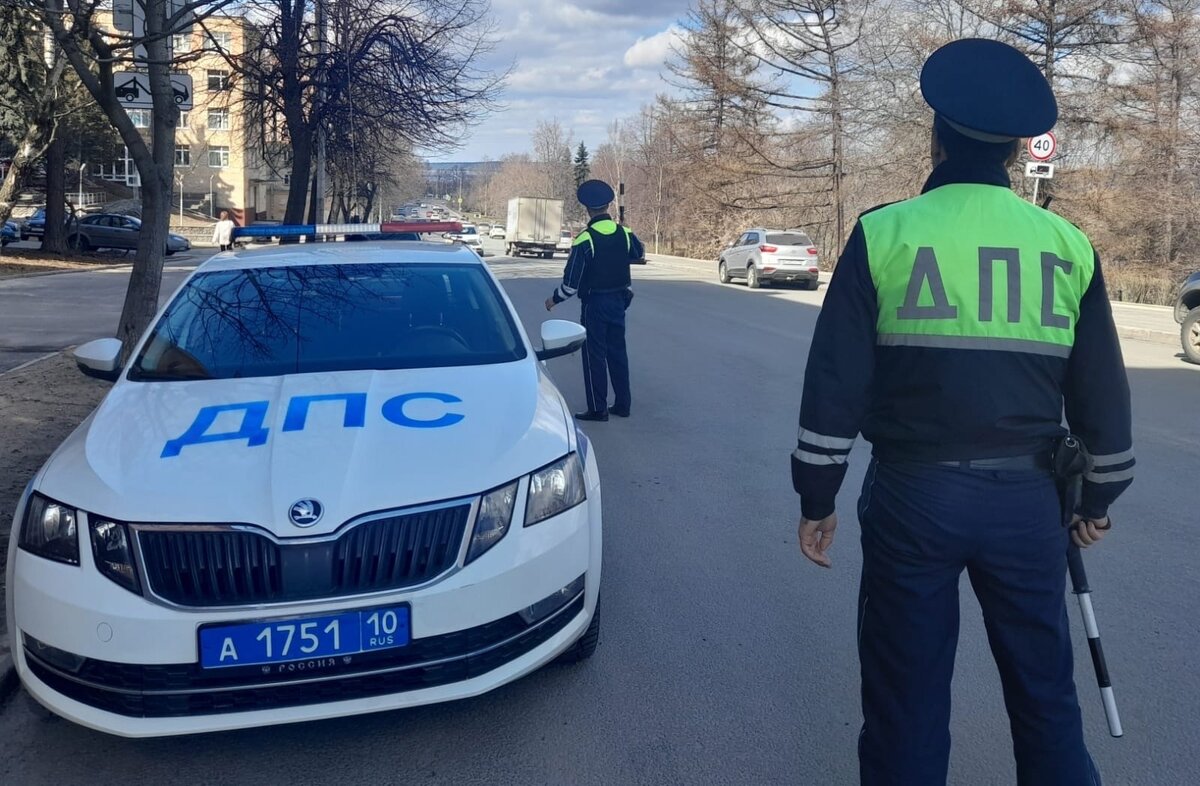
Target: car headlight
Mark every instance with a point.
(113, 551)
(491, 523)
(49, 530)
(555, 488)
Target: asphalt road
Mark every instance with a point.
(724, 657)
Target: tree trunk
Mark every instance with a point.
(54, 237)
(298, 187)
(32, 145)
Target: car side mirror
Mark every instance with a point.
(561, 337)
(100, 358)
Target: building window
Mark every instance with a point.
(183, 155)
(222, 38)
(218, 80)
(140, 117)
(218, 120)
(218, 157)
(181, 44)
(184, 119)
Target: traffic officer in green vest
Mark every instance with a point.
(959, 327)
(598, 271)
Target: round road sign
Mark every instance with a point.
(1042, 147)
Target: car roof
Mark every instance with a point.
(365, 253)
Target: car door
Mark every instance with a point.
(94, 231)
(748, 249)
(125, 232)
(734, 254)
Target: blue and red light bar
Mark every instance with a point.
(314, 230)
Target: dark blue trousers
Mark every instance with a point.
(922, 525)
(604, 354)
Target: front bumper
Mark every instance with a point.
(141, 675)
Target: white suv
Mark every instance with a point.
(324, 484)
(762, 256)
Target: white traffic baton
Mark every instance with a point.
(1079, 584)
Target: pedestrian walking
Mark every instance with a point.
(959, 327)
(598, 271)
(223, 231)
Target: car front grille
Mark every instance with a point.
(185, 689)
(209, 567)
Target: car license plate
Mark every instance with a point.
(294, 639)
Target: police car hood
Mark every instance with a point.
(356, 442)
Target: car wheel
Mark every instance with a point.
(752, 277)
(79, 243)
(722, 272)
(1190, 335)
(813, 285)
(585, 646)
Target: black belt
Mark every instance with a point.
(1031, 461)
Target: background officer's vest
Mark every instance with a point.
(609, 269)
(976, 267)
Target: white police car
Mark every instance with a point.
(332, 479)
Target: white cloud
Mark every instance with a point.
(583, 62)
(651, 53)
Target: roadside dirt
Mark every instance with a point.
(39, 406)
(23, 261)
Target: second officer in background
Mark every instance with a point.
(598, 271)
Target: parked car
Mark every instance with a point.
(109, 230)
(1187, 314)
(35, 225)
(426, 526)
(497, 232)
(484, 228)
(762, 256)
(10, 233)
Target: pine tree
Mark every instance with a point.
(583, 165)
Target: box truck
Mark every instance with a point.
(534, 225)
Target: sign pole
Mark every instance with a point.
(1036, 181)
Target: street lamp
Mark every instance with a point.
(210, 196)
(79, 202)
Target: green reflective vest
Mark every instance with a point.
(1007, 275)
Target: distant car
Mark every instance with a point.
(469, 236)
(35, 225)
(763, 256)
(1187, 314)
(565, 240)
(10, 233)
(497, 232)
(484, 228)
(110, 230)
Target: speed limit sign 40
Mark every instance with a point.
(1042, 147)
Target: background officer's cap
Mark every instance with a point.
(595, 194)
(989, 91)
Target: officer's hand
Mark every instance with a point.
(816, 537)
(1088, 532)
(549, 303)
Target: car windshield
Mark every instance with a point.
(788, 239)
(289, 320)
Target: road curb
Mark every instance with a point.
(90, 269)
(33, 362)
(1146, 334)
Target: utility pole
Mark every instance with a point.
(322, 32)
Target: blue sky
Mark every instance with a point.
(584, 63)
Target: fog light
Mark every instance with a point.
(59, 659)
(553, 602)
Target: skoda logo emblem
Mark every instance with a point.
(306, 512)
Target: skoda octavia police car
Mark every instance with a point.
(331, 479)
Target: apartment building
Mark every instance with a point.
(218, 165)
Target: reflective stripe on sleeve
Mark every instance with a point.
(825, 441)
(1112, 459)
(817, 459)
(1110, 477)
